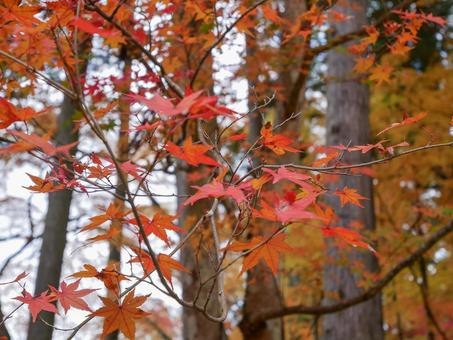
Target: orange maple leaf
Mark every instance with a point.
(407, 120)
(363, 64)
(166, 263)
(276, 142)
(109, 276)
(347, 235)
(121, 316)
(381, 73)
(10, 114)
(191, 153)
(111, 213)
(158, 225)
(268, 251)
(349, 195)
(43, 185)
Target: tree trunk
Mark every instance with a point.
(197, 257)
(3, 329)
(261, 282)
(122, 156)
(347, 123)
(56, 222)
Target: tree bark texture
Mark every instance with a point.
(55, 228)
(348, 124)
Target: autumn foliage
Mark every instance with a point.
(261, 198)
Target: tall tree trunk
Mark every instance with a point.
(3, 329)
(122, 156)
(260, 281)
(347, 123)
(56, 222)
(197, 256)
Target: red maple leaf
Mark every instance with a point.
(88, 27)
(295, 177)
(216, 189)
(69, 296)
(292, 211)
(37, 304)
(164, 106)
(191, 153)
(43, 144)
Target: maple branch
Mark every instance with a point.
(31, 69)
(423, 286)
(356, 34)
(219, 281)
(175, 87)
(10, 314)
(345, 167)
(219, 39)
(366, 295)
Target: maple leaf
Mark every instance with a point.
(435, 19)
(295, 177)
(216, 189)
(276, 142)
(122, 316)
(43, 185)
(191, 153)
(268, 251)
(43, 144)
(362, 65)
(88, 27)
(164, 106)
(349, 195)
(10, 114)
(331, 155)
(109, 276)
(19, 146)
(158, 225)
(257, 183)
(294, 210)
(347, 235)
(12, 10)
(111, 213)
(166, 263)
(407, 120)
(267, 212)
(238, 137)
(19, 277)
(69, 296)
(381, 73)
(132, 169)
(37, 304)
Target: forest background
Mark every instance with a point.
(226, 169)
